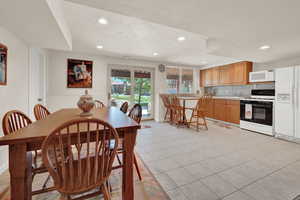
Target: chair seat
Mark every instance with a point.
(38, 165)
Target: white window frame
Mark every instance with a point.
(180, 77)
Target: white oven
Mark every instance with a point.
(256, 112)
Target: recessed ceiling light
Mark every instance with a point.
(155, 54)
(264, 47)
(99, 47)
(103, 21)
(181, 38)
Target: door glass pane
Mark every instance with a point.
(120, 86)
(187, 81)
(142, 91)
(172, 80)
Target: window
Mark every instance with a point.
(179, 80)
(187, 81)
(172, 80)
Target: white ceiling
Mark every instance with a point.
(234, 28)
(40, 23)
(131, 37)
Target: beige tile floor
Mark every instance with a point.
(221, 163)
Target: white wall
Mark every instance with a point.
(15, 94)
(59, 96)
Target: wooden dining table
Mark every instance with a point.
(30, 138)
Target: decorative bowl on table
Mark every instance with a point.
(86, 104)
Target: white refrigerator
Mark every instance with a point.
(287, 105)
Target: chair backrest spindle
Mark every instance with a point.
(99, 104)
(40, 112)
(13, 121)
(79, 156)
(136, 113)
(124, 107)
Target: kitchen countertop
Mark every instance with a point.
(228, 97)
(214, 97)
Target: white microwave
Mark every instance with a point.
(261, 76)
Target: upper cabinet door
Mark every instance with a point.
(215, 76)
(208, 77)
(240, 73)
(231, 74)
(202, 78)
(224, 73)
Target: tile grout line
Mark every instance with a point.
(263, 177)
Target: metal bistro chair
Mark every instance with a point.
(79, 157)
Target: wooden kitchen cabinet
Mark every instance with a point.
(233, 111)
(225, 110)
(210, 109)
(224, 74)
(220, 109)
(240, 72)
(202, 78)
(215, 76)
(208, 77)
(232, 74)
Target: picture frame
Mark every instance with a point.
(3, 64)
(80, 73)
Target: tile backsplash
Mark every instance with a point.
(240, 90)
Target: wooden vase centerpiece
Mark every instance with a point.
(86, 104)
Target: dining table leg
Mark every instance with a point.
(128, 178)
(183, 114)
(20, 168)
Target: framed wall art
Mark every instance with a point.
(3, 64)
(80, 73)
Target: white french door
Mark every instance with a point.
(134, 85)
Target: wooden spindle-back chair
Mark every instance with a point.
(167, 105)
(79, 157)
(136, 114)
(99, 104)
(178, 112)
(124, 107)
(40, 112)
(12, 122)
(200, 111)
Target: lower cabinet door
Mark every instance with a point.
(233, 114)
(220, 111)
